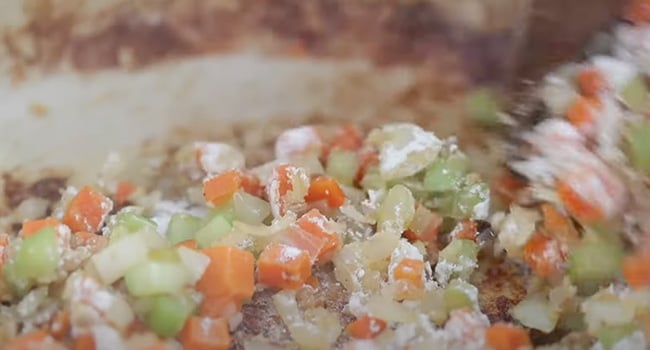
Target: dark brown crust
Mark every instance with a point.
(412, 32)
(261, 317)
(16, 191)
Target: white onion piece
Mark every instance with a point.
(250, 209)
(536, 312)
(194, 262)
(115, 260)
(306, 334)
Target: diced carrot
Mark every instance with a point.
(507, 185)
(409, 272)
(84, 341)
(326, 188)
(637, 12)
(636, 269)
(558, 225)
(318, 225)
(60, 325)
(582, 113)
(204, 333)
(284, 267)
(578, 206)
(348, 138)
(220, 307)
(30, 227)
(503, 336)
(544, 255)
(410, 236)
(93, 241)
(366, 327)
(280, 185)
(467, 230)
(230, 274)
(220, 189)
(87, 210)
(251, 184)
(33, 340)
(299, 238)
(367, 159)
(124, 190)
(190, 243)
(591, 82)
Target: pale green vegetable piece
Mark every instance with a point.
(396, 210)
(457, 249)
(457, 295)
(342, 165)
(446, 174)
(635, 94)
(216, 228)
(482, 105)
(594, 263)
(182, 227)
(38, 256)
(127, 223)
(638, 145)
(608, 336)
(167, 314)
(154, 277)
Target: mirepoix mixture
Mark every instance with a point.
(353, 240)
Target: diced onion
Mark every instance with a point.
(536, 312)
(250, 209)
(383, 306)
(306, 334)
(194, 262)
(115, 260)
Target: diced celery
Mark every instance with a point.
(250, 209)
(342, 165)
(38, 255)
(593, 263)
(372, 180)
(396, 210)
(457, 249)
(635, 94)
(469, 197)
(608, 336)
(182, 227)
(115, 260)
(216, 228)
(638, 145)
(19, 286)
(167, 314)
(129, 222)
(456, 295)
(482, 106)
(467, 202)
(446, 174)
(134, 222)
(153, 277)
(227, 211)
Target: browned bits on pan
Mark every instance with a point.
(15, 191)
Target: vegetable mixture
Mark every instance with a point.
(393, 221)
